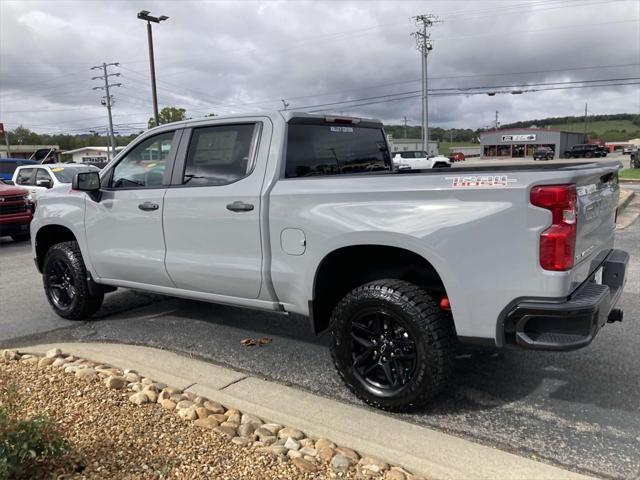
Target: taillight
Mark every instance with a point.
(558, 242)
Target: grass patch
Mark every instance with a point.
(25, 443)
(630, 174)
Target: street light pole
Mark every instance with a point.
(144, 15)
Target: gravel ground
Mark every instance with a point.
(110, 437)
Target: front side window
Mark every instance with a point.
(24, 176)
(326, 149)
(144, 165)
(42, 174)
(219, 155)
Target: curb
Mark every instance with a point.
(424, 451)
(625, 198)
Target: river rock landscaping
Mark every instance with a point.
(119, 424)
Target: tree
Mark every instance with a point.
(168, 115)
(23, 136)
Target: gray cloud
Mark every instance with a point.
(228, 57)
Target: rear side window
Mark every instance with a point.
(219, 155)
(327, 149)
(24, 176)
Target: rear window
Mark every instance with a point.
(332, 149)
(65, 174)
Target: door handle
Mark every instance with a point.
(239, 206)
(148, 206)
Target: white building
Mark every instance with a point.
(91, 154)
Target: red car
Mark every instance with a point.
(457, 157)
(16, 212)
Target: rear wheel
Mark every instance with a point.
(392, 344)
(567, 155)
(588, 155)
(65, 282)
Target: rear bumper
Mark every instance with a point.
(573, 322)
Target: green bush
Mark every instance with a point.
(24, 443)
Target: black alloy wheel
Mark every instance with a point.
(392, 344)
(61, 283)
(64, 276)
(384, 352)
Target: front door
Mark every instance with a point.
(124, 226)
(212, 212)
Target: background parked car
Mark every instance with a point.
(457, 157)
(543, 153)
(9, 165)
(418, 160)
(629, 150)
(38, 178)
(583, 151)
(16, 212)
(635, 160)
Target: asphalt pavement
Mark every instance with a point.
(579, 410)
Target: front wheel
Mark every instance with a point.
(392, 344)
(65, 283)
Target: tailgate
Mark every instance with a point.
(598, 193)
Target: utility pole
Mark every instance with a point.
(405, 127)
(424, 44)
(585, 122)
(6, 138)
(108, 99)
(496, 123)
(144, 15)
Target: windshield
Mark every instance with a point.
(329, 149)
(65, 174)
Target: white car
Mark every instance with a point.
(419, 160)
(39, 178)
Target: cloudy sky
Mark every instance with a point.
(350, 57)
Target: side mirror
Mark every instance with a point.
(86, 182)
(45, 182)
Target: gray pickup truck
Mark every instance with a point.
(291, 212)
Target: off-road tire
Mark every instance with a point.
(82, 304)
(431, 327)
(21, 237)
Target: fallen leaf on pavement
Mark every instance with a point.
(250, 342)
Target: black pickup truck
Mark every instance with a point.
(584, 151)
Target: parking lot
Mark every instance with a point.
(578, 409)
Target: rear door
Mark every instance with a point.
(124, 228)
(212, 210)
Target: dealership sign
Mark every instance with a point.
(530, 137)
